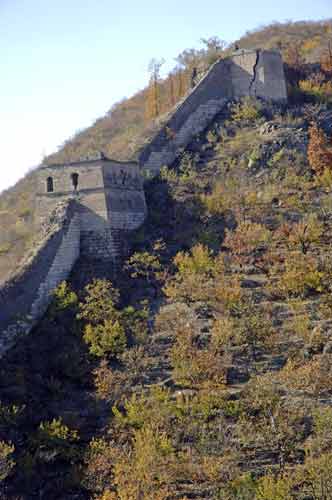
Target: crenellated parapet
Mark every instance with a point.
(109, 195)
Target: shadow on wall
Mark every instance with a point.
(24, 298)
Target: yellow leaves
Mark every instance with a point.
(146, 470)
(247, 237)
(322, 91)
(195, 270)
(6, 459)
(199, 261)
(107, 338)
(315, 376)
(302, 234)
(57, 430)
(319, 150)
(310, 44)
(302, 274)
(276, 488)
(247, 110)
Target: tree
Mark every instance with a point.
(99, 302)
(326, 60)
(6, 459)
(213, 47)
(108, 338)
(319, 150)
(153, 101)
(172, 97)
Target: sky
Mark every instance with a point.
(63, 63)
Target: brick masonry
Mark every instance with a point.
(256, 73)
(25, 297)
(89, 207)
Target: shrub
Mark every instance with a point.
(241, 488)
(107, 338)
(110, 384)
(224, 333)
(314, 478)
(314, 376)
(228, 296)
(224, 197)
(5, 248)
(54, 439)
(99, 303)
(143, 265)
(146, 470)
(195, 270)
(135, 322)
(318, 90)
(199, 261)
(63, 298)
(303, 234)
(255, 327)
(247, 238)
(319, 150)
(100, 459)
(301, 276)
(154, 409)
(10, 414)
(6, 459)
(248, 110)
(276, 488)
(300, 324)
(193, 366)
(321, 439)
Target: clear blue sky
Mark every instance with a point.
(65, 62)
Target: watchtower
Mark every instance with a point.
(109, 195)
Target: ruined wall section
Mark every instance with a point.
(255, 73)
(258, 73)
(25, 297)
(190, 118)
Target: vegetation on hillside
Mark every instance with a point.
(132, 122)
(203, 369)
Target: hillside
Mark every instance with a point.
(204, 369)
(130, 123)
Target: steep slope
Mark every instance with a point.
(224, 390)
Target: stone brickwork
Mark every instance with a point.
(109, 196)
(89, 207)
(25, 297)
(256, 73)
(85, 208)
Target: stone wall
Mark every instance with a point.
(247, 73)
(25, 297)
(109, 194)
(258, 73)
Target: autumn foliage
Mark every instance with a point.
(319, 150)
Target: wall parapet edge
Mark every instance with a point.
(25, 296)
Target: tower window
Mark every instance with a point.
(74, 180)
(49, 185)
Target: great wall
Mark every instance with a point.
(89, 207)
